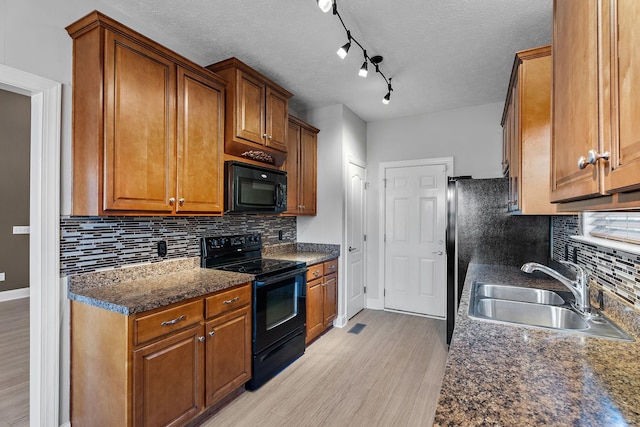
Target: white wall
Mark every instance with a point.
(343, 135)
(473, 136)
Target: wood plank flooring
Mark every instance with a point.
(14, 363)
(388, 375)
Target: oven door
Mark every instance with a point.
(279, 307)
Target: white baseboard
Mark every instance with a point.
(14, 294)
(67, 424)
(340, 322)
(375, 304)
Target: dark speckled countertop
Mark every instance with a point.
(311, 253)
(507, 375)
(140, 288)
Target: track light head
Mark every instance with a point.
(387, 97)
(325, 5)
(342, 52)
(364, 70)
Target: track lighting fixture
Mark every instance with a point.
(387, 97)
(327, 5)
(342, 52)
(364, 70)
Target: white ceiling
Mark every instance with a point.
(441, 54)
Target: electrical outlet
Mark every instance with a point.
(1, 277)
(162, 248)
(21, 229)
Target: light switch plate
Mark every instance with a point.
(21, 229)
(1, 277)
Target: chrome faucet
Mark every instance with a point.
(578, 287)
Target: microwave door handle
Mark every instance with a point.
(278, 195)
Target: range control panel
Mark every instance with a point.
(219, 245)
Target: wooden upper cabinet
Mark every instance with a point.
(257, 112)
(137, 107)
(527, 132)
(576, 116)
(596, 77)
(301, 167)
(624, 33)
(140, 123)
(200, 138)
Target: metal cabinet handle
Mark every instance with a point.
(316, 273)
(181, 201)
(264, 135)
(212, 333)
(592, 157)
(172, 201)
(270, 137)
(201, 339)
(174, 321)
(438, 252)
(231, 301)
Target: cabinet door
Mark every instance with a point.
(330, 300)
(625, 81)
(200, 144)
(308, 172)
(514, 149)
(250, 109)
(291, 166)
(228, 364)
(575, 108)
(140, 128)
(277, 110)
(315, 307)
(168, 379)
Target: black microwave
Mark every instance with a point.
(253, 189)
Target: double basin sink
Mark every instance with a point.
(539, 308)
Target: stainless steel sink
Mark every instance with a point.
(538, 308)
(516, 293)
(546, 316)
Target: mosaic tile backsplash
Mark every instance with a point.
(615, 270)
(95, 243)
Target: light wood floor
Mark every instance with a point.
(14, 363)
(388, 375)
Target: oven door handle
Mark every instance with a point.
(273, 279)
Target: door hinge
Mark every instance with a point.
(364, 238)
(385, 238)
(366, 185)
(365, 290)
(384, 292)
(385, 182)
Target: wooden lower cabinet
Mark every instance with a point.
(228, 364)
(164, 367)
(168, 379)
(322, 297)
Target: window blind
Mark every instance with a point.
(620, 226)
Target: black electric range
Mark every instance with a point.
(278, 300)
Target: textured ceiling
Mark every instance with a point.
(441, 54)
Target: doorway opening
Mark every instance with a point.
(44, 241)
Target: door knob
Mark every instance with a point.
(351, 249)
(437, 252)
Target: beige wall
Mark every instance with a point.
(15, 118)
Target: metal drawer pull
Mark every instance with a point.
(231, 301)
(316, 273)
(174, 321)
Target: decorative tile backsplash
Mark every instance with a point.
(615, 270)
(94, 243)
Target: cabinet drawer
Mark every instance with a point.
(166, 321)
(228, 300)
(315, 271)
(331, 266)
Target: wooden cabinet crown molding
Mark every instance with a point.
(235, 63)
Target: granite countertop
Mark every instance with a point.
(507, 375)
(311, 253)
(141, 288)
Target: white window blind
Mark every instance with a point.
(620, 226)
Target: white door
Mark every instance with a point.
(355, 239)
(415, 225)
